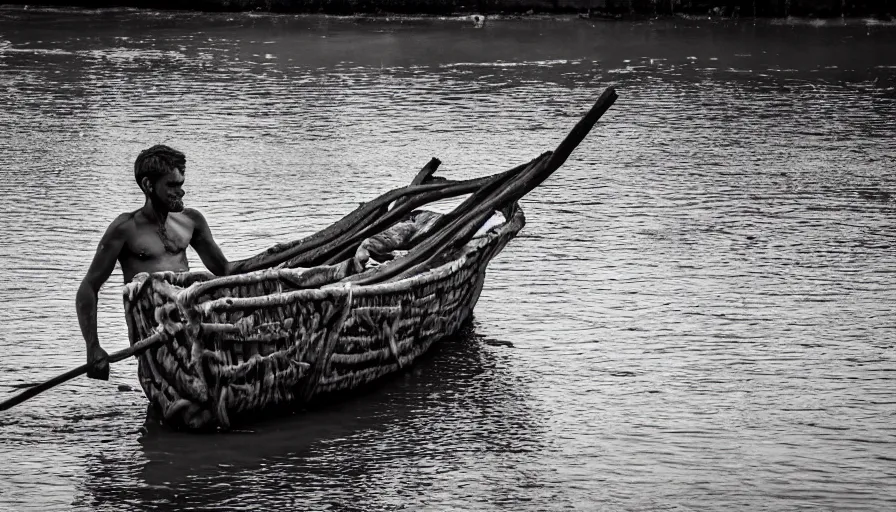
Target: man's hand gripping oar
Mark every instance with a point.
(134, 350)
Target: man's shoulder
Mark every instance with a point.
(120, 228)
(194, 215)
(122, 223)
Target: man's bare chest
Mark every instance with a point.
(150, 242)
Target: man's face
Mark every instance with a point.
(168, 191)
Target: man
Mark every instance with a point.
(151, 239)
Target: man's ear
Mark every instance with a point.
(146, 185)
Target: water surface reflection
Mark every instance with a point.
(460, 410)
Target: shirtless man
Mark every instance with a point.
(151, 239)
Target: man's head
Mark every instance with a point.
(159, 171)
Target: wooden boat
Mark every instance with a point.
(243, 344)
(309, 318)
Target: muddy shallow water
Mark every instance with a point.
(699, 314)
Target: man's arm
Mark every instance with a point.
(206, 247)
(85, 302)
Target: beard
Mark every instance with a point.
(175, 205)
(168, 204)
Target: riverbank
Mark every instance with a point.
(612, 9)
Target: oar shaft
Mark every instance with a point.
(134, 350)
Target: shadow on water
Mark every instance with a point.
(460, 404)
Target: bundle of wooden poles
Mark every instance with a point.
(338, 243)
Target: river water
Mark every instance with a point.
(699, 314)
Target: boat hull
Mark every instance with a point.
(239, 346)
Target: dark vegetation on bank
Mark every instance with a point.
(613, 9)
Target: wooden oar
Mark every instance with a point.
(134, 350)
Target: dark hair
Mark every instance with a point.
(157, 161)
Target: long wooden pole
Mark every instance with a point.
(134, 350)
(472, 215)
